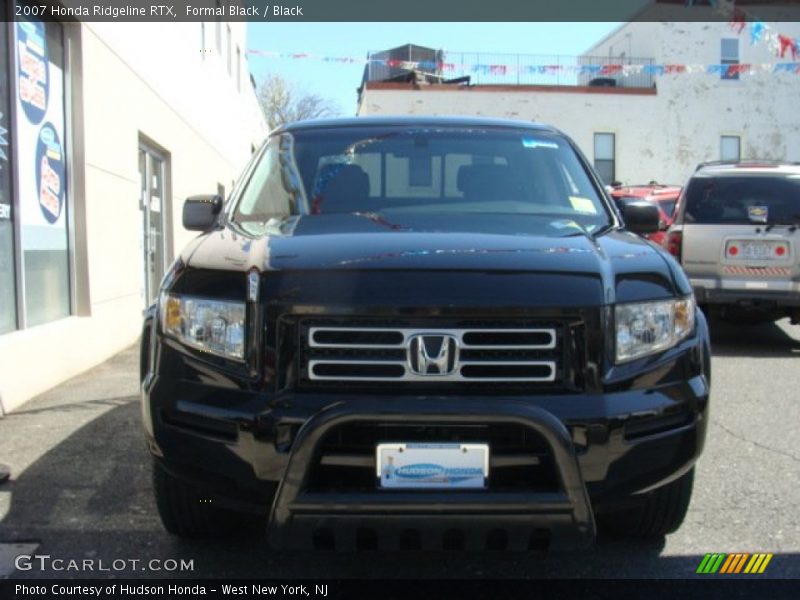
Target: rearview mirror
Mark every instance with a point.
(640, 216)
(200, 213)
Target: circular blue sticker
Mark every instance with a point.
(33, 82)
(50, 173)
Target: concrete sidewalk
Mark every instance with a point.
(36, 428)
(42, 423)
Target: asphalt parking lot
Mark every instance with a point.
(80, 486)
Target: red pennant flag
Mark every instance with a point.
(674, 69)
(610, 69)
(789, 44)
(738, 20)
(737, 69)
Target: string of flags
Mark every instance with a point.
(739, 19)
(501, 69)
(783, 46)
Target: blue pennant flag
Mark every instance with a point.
(653, 69)
(756, 29)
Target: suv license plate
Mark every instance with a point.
(432, 466)
(746, 250)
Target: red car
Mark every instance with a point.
(664, 196)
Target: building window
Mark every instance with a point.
(729, 52)
(228, 48)
(40, 211)
(730, 148)
(604, 156)
(8, 295)
(238, 69)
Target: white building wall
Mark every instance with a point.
(659, 137)
(190, 93)
(150, 80)
(633, 39)
(697, 109)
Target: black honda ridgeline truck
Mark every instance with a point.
(411, 333)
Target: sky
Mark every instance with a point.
(338, 81)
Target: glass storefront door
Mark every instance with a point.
(151, 174)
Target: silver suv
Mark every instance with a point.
(735, 233)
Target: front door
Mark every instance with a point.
(151, 174)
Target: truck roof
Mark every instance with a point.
(750, 166)
(418, 121)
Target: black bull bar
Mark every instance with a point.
(299, 517)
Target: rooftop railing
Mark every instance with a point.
(512, 69)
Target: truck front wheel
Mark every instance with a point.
(186, 512)
(652, 515)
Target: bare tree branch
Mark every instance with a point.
(283, 103)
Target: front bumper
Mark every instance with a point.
(756, 293)
(605, 447)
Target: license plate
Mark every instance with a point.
(432, 466)
(747, 250)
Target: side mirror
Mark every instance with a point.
(200, 213)
(640, 216)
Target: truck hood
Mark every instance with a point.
(480, 244)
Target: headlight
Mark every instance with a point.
(214, 326)
(647, 327)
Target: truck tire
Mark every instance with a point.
(186, 512)
(653, 516)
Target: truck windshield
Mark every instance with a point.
(394, 171)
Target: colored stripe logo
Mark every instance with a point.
(734, 563)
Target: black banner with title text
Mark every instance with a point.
(428, 589)
(409, 10)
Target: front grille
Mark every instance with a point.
(519, 458)
(428, 352)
